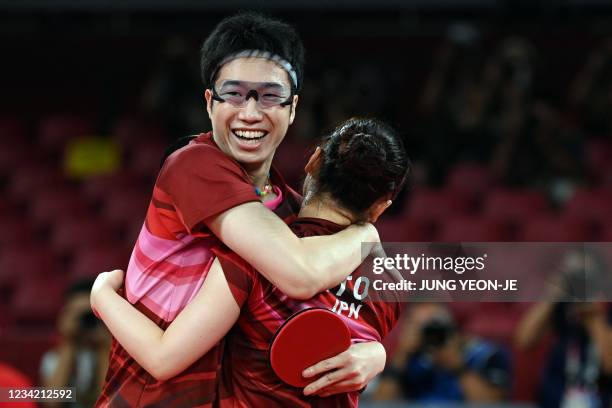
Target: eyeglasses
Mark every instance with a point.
(266, 94)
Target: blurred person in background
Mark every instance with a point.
(453, 104)
(80, 359)
(435, 363)
(590, 95)
(578, 372)
(534, 146)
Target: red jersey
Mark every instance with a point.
(248, 380)
(170, 261)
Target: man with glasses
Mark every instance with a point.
(216, 189)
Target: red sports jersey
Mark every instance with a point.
(170, 261)
(248, 379)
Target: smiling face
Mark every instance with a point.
(250, 134)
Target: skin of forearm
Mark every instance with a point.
(331, 258)
(601, 335)
(138, 339)
(533, 325)
(300, 268)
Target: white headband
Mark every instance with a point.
(286, 65)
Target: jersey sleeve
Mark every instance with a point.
(240, 276)
(202, 182)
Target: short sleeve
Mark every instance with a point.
(202, 181)
(239, 274)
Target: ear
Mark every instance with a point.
(208, 97)
(378, 208)
(314, 162)
(293, 108)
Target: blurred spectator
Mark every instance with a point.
(12, 378)
(579, 368)
(454, 103)
(591, 92)
(435, 363)
(81, 358)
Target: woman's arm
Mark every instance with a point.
(349, 371)
(299, 267)
(164, 354)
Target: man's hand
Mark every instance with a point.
(112, 280)
(349, 371)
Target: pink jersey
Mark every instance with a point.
(170, 261)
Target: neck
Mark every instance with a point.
(258, 172)
(325, 209)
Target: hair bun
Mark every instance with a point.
(362, 155)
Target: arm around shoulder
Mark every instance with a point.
(300, 267)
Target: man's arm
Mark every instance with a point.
(299, 267)
(594, 318)
(201, 325)
(533, 325)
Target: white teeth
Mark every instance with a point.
(250, 134)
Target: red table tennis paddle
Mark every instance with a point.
(307, 337)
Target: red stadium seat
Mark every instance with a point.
(403, 229)
(514, 206)
(145, 158)
(606, 234)
(599, 157)
(15, 156)
(126, 207)
(55, 131)
(472, 229)
(14, 230)
(18, 262)
(435, 206)
(24, 348)
(29, 180)
(89, 262)
(96, 189)
(12, 130)
(549, 228)
(74, 234)
(469, 179)
(38, 299)
(50, 206)
(591, 205)
(495, 321)
(132, 131)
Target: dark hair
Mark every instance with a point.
(251, 31)
(362, 161)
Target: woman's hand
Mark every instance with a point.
(349, 371)
(105, 281)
